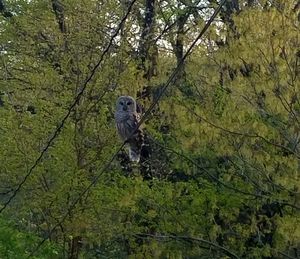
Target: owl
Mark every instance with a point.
(127, 119)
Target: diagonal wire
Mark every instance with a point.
(179, 65)
(72, 106)
(145, 115)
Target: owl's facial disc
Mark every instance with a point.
(126, 104)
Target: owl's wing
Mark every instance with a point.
(136, 140)
(137, 117)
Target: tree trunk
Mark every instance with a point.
(4, 11)
(179, 46)
(147, 47)
(74, 247)
(59, 13)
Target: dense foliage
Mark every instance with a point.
(17, 244)
(219, 176)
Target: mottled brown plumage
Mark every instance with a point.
(127, 120)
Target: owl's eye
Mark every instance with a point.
(129, 103)
(121, 103)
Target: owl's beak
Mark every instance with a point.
(124, 108)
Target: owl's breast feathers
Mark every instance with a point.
(127, 124)
(127, 129)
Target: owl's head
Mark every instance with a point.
(126, 104)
